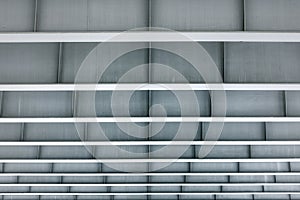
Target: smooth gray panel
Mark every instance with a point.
(252, 179)
(14, 189)
(37, 179)
(272, 15)
(288, 179)
(171, 151)
(63, 15)
(242, 189)
(295, 166)
(250, 103)
(190, 197)
(292, 188)
(87, 189)
(79, 167)
(10, 179)
(293, 103)
(134, 167)
(73, 54)
(235, 197)
(264, 167)
(227, 152)
(92, 15)
(130, 67)
(21, 197)
(116, 15)
(54, 132)
(117, 132)
(27, 168)
(237, 131)
(283, 131)
(37, 104)
(64, 152)
(167, 179)
(124, 103)
(198, 15)
(168, 67)
(175, 131)
(128, 189)
(201, 189)
(16, 15)
(275, 151)
(172, 167)
(207, 179)
(126, 179)
(180, 103)
(10, 132)
(163, 197)
(274, 196)
(28, 63)
(214, 167)
(44, 197)
(165, 189)
(262, 62)
(49, 189)
(73, 179)
(107, 152)
(18, 152)
(137, 197)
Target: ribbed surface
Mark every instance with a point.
(41, 153)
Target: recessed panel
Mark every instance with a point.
(17, 15)
(262, 62)
(198, 15)
(92, 15)
(28, 63)
(272, 15)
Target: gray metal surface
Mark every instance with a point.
(52, 63)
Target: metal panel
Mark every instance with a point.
(278, 15)
(195, 15)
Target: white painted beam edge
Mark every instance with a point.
(150, 36)
(156, 174)
(139, 193)
(143, 184)
(153, 87)
(138, 143)
(155, 160)
(145, 119)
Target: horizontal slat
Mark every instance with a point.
(145, 119)
(143, 184)
(151, 36)
(138, 143)
(141, 193)
(156, 174)
(146, 87)
(153, 160)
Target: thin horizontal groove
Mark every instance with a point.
(144, 119)
(155, 160)
(140, 193)
(138, 143)
(143, 184)
(151, 36)
(147, 87)
(154, 174)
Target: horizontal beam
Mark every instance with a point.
(153, 87)
(151, 36)
(138, 143)
(142, 184)
(142, 193)
(155, 160)
(156, 174)
(144, 119)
